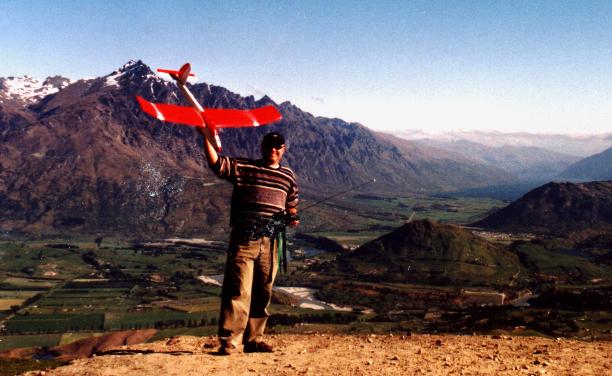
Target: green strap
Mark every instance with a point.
(279, 248)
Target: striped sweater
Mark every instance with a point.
(258, 190)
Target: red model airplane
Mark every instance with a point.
(211, 118)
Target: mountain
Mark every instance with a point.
(575, 145)
(556, 208)
(28, 90)
(526, 162)
(595, 167)
(86, 158)
(439, 161)
(427, 252)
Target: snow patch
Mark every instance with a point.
(29, 89)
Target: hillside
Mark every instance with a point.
(595, 167)
(428, 252)
(86, 158)
(556, 208)
(323, 354)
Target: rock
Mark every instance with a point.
(370, 340)
(419, 351)
(438, 342)
(369, 362)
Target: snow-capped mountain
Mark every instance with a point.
(88, 158)
(29, 90)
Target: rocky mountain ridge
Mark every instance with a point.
(27, 90)
(87, 158)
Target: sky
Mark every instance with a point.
(437, 66)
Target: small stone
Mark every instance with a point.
(419, 351)
(537, 352)
(370, 340)
(536, 362)
(395, 358)
(496, 337)
(302, 352)
(369, 362)
(438, 342)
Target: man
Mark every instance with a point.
(264, 191)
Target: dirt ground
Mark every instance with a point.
(328, 354)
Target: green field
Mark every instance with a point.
(8, 342)
(55, 323)
(362, 218)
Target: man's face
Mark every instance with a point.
(273, 154)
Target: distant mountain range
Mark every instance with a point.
(525, 162)
(82, 156)
(574, 145)
(595, 167)
(556, 209)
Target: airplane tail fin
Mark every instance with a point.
(183, 74)
(180, 75)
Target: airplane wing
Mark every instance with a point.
(230, 118)
(219, 118)
(171, 113)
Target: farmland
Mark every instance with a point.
(56, 290)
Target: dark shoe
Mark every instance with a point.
(253, 347)
(226, 350)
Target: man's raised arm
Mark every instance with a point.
(211, 154)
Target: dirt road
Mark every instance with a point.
(329, 354)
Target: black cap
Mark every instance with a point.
(273, 140)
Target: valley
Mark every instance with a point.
(54, 291)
